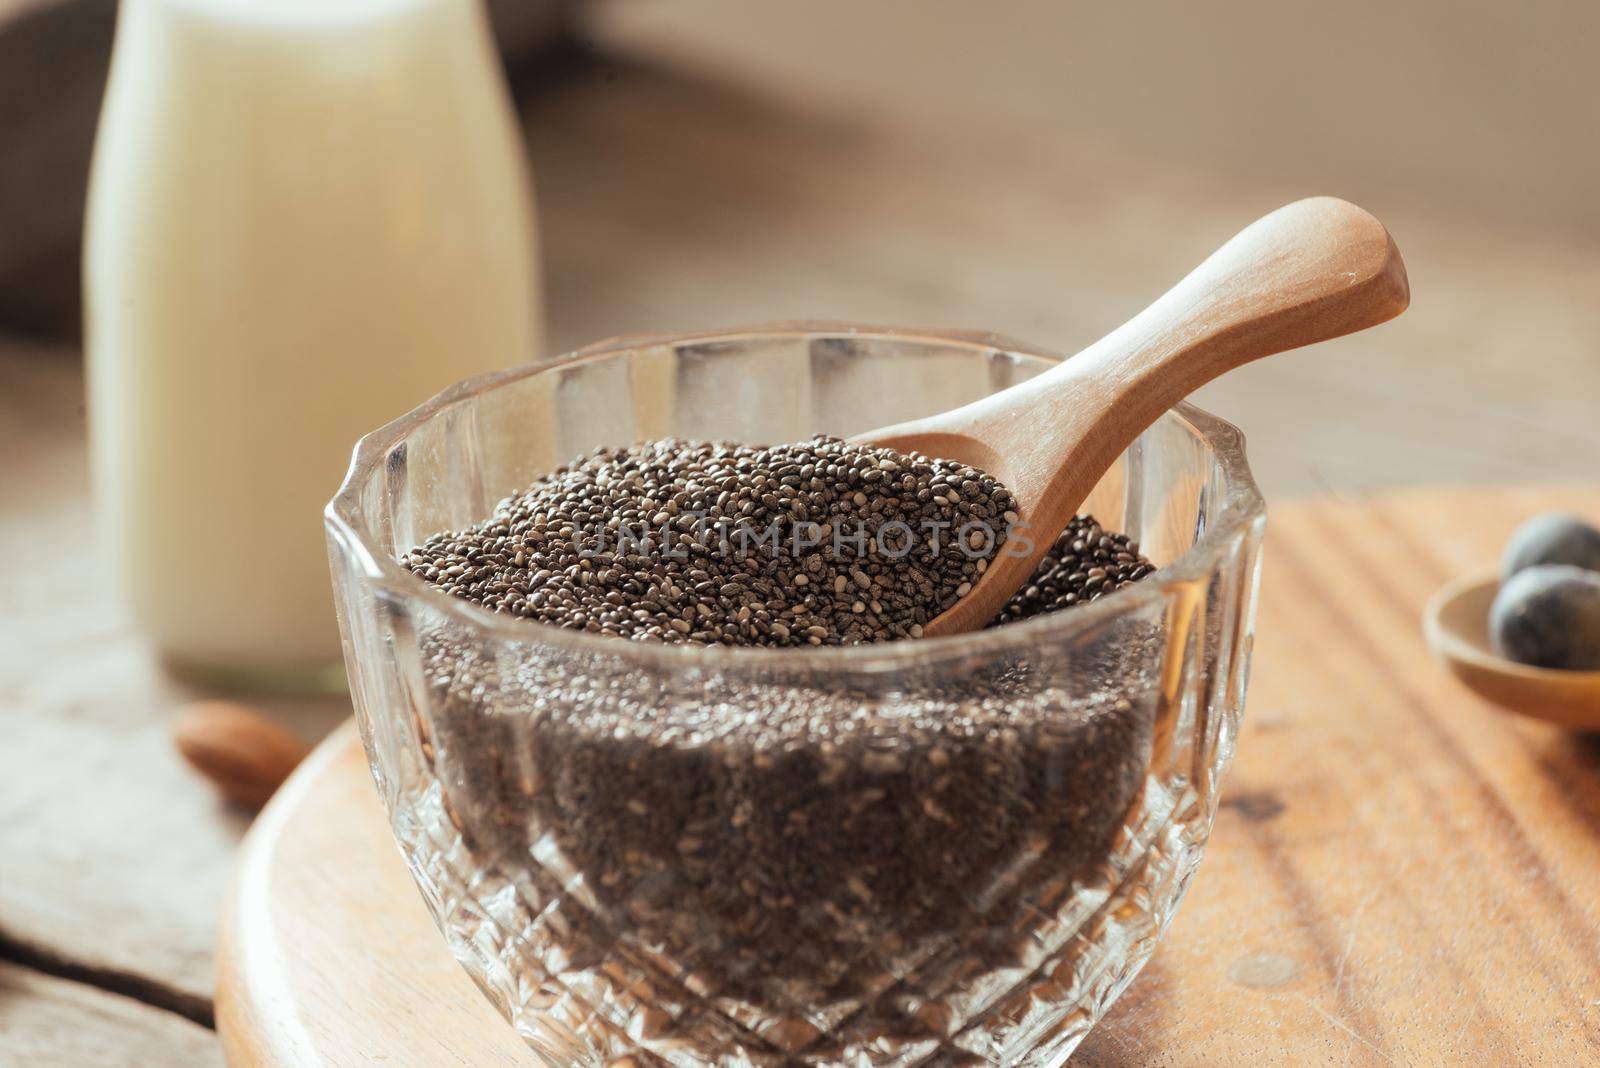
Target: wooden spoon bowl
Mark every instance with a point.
(1456, 624)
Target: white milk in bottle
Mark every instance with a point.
(305, 217)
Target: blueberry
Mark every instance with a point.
(1552, 538)
(1549, 616)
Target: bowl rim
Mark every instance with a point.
(1243, 508)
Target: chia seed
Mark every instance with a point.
(709, 543)
(836, 852)
(1085, 564)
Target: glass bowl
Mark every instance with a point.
(951, 851)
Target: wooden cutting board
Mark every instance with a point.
(1400, 875)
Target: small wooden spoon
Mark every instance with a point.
(1314, 270)
(1456, 624)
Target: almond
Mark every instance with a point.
(244, 754)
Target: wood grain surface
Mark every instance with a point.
(46, 1020)
(1400, 874)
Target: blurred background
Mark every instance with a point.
(1037, 168)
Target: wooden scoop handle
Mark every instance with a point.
(1314, 270)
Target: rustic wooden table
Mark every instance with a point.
(671, 199)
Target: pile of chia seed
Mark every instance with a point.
(847, 851)
(816, 543)
(845, 855)
(1085, 563)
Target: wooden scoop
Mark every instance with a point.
(1314, 270)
